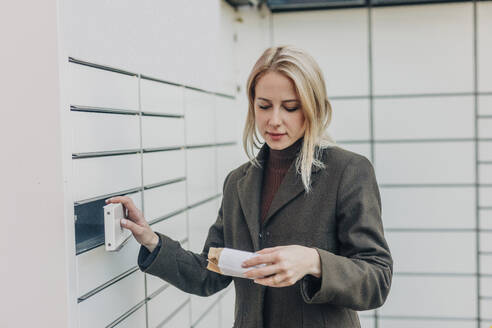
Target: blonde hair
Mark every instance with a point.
(303, 70)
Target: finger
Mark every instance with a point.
(259, 259)
(277, 280)
(269, 250)
(263, 272)
(128, 204)
(115, 199)
(132, 226)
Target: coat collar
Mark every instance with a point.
(249, 191)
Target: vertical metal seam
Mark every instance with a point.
(142, 184)
(270, 20)
(371, 108)
(477, 178)
(187, 216)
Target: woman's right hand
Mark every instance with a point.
(136, 223)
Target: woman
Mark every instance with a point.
(309, 208)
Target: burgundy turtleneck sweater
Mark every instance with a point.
(276, 166)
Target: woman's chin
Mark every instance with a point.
(277, 145)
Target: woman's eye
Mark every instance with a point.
(289, 109)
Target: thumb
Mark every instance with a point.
(132, 226)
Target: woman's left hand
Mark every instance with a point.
(285, 265)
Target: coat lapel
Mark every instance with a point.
(249, 191)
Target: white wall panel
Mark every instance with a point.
(200, 117)
(485, 219)
(162, 131)
(485, 128)
(103, 132)
(367, 313)
(164, 304)
(227, 127)
(428, 207)
(485, 150)
(485, 264)
(100, 88)
(486, 241)
(225, 52)
(98, 266)
(350, 120)
(366, 322)
(431, 296)
(201, 170)
(227, 304)
(421, 58)
(160, 97)
(447, 162)
(163, 165)
(486, 286)
(103, 175)
(484, 46)
(485, 173)
(485, 102)
(135, 320)
(409, 323)
(203, 27)
(163, 200)
(211, 319)
(421, 118)
(363, 149)
(227, 160)
(254, 37)
(200, 219)
(140, 47)
(485, 196)
(174, 227)
(486, 312)
(433, 251)
(343, 60)
(180, 319)
(154, 283)
(104, 307)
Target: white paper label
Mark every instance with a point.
(231, 259)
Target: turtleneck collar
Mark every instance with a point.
(281, 159)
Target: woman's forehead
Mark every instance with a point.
(274, 86)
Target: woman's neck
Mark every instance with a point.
(282, 158)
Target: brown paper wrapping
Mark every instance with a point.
(213, 259)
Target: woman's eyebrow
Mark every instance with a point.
(289, 100)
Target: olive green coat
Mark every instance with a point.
(340, 218)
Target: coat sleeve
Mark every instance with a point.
(188, 270)
(359, 277)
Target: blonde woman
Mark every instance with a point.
(311, 210)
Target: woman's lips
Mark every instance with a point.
(276, 136)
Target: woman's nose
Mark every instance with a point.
(275, 118)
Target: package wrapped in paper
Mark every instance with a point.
(227, 261)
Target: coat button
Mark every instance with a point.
(260, 235)
(268, 233)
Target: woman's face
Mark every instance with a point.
(278, 114)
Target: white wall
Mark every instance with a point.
(181, 46)
(401, 83)
(34, 243)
